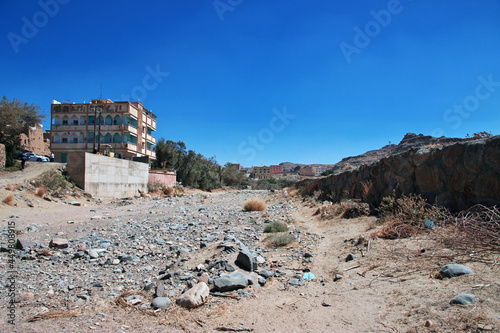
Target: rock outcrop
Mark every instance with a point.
(456, 176)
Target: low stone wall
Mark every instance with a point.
(164, 177)
(456, 176)
(2, 156)
(105, 176)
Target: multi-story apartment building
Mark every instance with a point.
(262, 172)
(125, 128)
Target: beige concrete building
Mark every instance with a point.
(124, 128)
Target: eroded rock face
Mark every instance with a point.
(456, 176)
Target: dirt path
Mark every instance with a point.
(388, 287)
(31, 171)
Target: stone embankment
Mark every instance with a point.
(456, 176)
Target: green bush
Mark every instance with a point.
(281, 238)
(52, 180)
(275, 226)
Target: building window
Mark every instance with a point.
(64, 140)
(75, 140)
(75, 122)
(65, 122)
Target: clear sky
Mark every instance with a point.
(263, 82)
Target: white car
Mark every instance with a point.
(38, 158)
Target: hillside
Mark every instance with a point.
(409, 141)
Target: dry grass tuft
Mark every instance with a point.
(41, 191)
(254, 204)
(9, 200)
(53, 314)
(121, 301)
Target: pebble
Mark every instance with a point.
(161, 303)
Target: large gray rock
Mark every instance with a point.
(452, 270)
(161, 303)
(245, 260)
(464, 299)
(195, 296)
(233, 281)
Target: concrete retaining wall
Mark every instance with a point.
(455, 176)
(105, 176)
(164, 177)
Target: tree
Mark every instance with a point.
(16, 117)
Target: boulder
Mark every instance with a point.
(463, 299)
(23, 244)
(245, 260)
(452, 270)
(59, 243)
(229, 282)
(195, 296)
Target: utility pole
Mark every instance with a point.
(97, 112)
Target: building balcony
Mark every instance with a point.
(68, 146)
(68, 128)
(129, 128)
(151, 139)
(151, 153)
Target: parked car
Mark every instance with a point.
(26, 155)
(38, 158)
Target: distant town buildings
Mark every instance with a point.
(262, 172)
(307, 171)
(35, 141)
(276, 170)
(124, 128)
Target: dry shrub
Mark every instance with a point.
(348, 167)
(9, 187)
(406, 216)
(308, 187)
(254, 204)
(9, 200)
(344, 210)
(167, 190)
(475, 229)
(40, 192)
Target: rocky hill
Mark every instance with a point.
(410, 140)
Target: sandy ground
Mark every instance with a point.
(389, 287)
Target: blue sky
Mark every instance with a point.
(263, 82)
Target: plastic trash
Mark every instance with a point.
(309, 276)
(429, 224)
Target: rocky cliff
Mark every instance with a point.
(456, 176)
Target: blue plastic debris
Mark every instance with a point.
(429, 224)
(309, 276)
